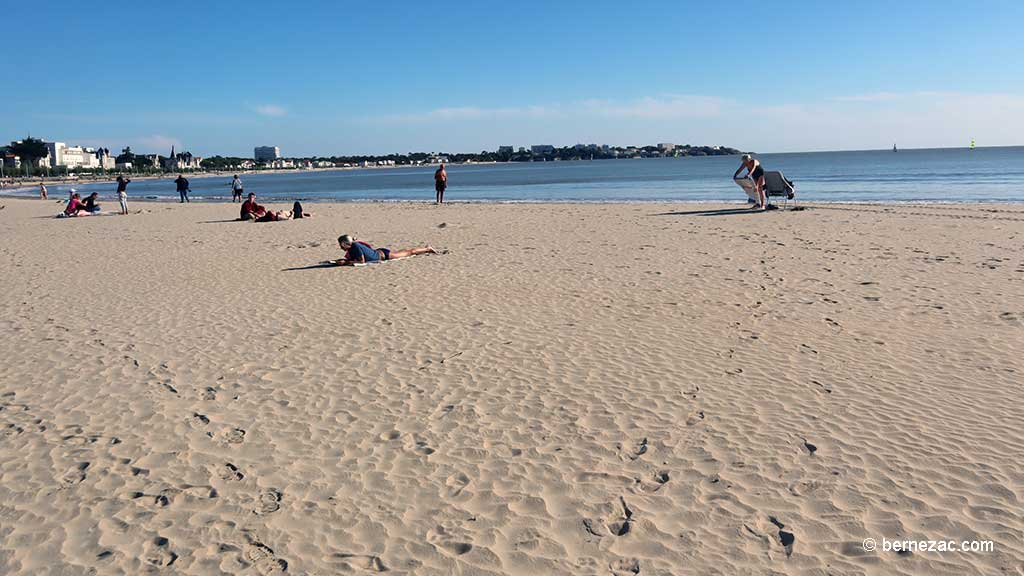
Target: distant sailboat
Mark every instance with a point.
(972, 144)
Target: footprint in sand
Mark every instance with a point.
(634, 451)
(158, 552)
(447, 542)
(364, 562)
(618, 520)
(456, 483)
(419, 446)
(694, 418)
(268, 502)
(230, 472)
(656, 482)
(786, 538)
(209, 394)
(811, 448)
(79, 440)
(198, 420)
(264, 560)
(625, 567)
(74, 475)
(232, 435)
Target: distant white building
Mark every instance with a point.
(56, 150)
(266, 153)
(542, 149)
(72, 157)
(666, 147)
(504, 149)
(280, 163)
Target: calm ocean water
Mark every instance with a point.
(935, 175)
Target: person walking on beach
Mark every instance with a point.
(236, 189)
(440, 183)
(756, 173)
(42, 190)
(183, 188)
(122, 193)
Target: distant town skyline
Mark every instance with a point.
(383, 78)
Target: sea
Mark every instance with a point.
(946, 175)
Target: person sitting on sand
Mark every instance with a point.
(90, 204)
(251, 210)
(75, 206)
(361, 253)
(298, 212)
(756, 173)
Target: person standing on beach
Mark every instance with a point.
(42, 191)
(183, 189)
(122, 193)
(236, 189)
(440, 183)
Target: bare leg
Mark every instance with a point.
(396, 254)
(760, 193)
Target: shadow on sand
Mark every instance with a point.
(717, 212)
(311, 267)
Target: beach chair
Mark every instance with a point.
(776, 185)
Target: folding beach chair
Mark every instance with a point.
(776, 185)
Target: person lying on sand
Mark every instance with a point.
(279, 215)
(275, 216)
(357, 252)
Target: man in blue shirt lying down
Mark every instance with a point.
(357, 252)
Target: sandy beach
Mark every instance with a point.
(586, 389)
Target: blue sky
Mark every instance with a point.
(324, 78)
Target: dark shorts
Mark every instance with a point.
(238, 192)
(440, 186)
(385, 254)
(757, 173)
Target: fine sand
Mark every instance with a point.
(571, 389)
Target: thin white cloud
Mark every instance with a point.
(911, 119)
(463, 113)
(272, 110)
(662, 107)
(874, 97)
(158, 142)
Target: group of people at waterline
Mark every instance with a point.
(251, 211)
